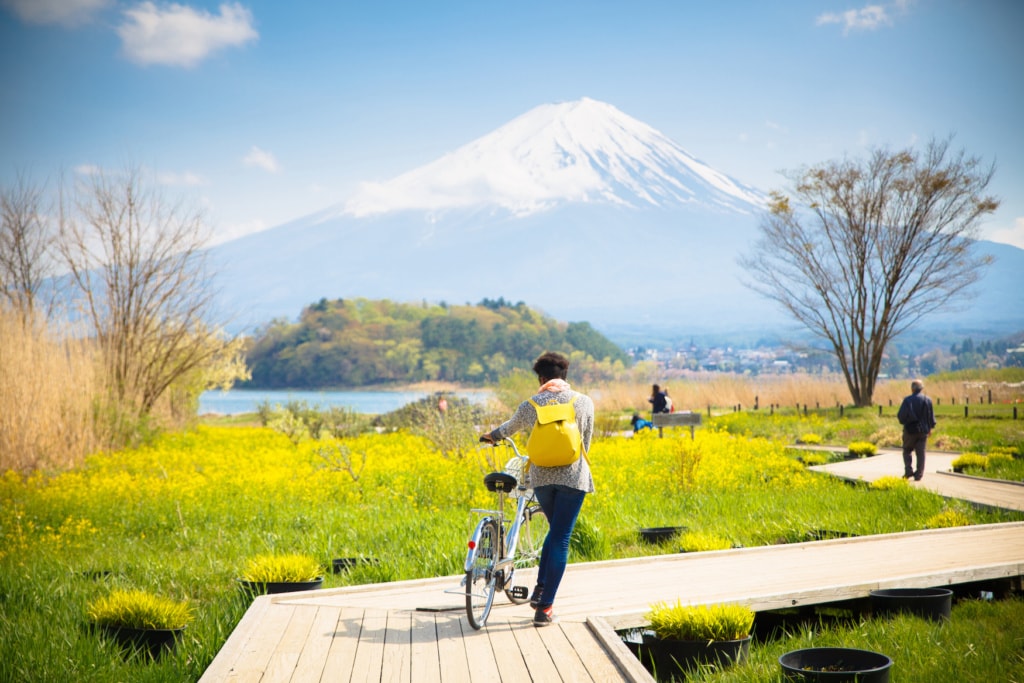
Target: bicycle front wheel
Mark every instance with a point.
(481, 578)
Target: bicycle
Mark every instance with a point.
(502, 555)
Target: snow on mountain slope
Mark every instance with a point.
(572, 152)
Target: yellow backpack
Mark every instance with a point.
(555, 440)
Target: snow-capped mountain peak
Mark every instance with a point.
(582, 151)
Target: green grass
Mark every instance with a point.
(182, 517)
(981, 643)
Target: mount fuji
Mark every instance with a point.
(574, 208)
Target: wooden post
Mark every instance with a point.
(771, 409)
(757, 401)
(990, 397)
(1015, 412)
(879, 411)
(840, 411)
(966, 408)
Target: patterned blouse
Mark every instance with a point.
(577, 475)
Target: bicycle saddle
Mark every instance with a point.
(499, 481)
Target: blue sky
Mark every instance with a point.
(264, 111)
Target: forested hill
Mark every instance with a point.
(359, 342)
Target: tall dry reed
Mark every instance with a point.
(48, 383)
(721, 391)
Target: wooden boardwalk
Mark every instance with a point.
(412, 631)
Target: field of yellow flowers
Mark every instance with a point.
(182, 516)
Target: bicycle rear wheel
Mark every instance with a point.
(481, 579)
(524, 569)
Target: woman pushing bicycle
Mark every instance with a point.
(562, 423)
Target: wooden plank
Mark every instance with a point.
(397, 648)
(629, 666)
(563, 654)
(258, 650)
(286, 655)
(601, 664)
(451, 649)
(424, 652)
(224, 662)
(342, 654)
(369, 660)
(506, 655)
(479, 654)
(313, 659)
(535, 654)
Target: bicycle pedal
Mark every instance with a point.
(519, 592)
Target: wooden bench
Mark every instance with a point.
(662, 420)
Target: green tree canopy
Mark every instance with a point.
(358, 342)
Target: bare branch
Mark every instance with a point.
(875, 246)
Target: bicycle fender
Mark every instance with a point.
(474, 543)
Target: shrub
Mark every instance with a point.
(700, 622)
(809, 439)
(861, 449)
(889, 436)
(810, 459)
(889, 483)
(696, 541)
(946, 442)
(282, 568)
(1012, 451)
(970, 460)
(138, 609)
(947, 518)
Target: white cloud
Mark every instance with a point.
(866, 18)
(261, 159)
(177, 35)
(88, 169)
(186, 179)
(1013, 235)
(63, 12)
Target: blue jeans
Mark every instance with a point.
(561, 505)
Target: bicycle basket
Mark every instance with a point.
(517, 466)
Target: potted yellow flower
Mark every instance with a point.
(687, 635)
(141, 620)
(281, 574)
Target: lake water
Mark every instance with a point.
(235, 401)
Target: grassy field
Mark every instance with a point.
(182, 516)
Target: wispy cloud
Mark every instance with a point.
(88, 169)
(177, 35)
(185, 179)
(261, 159)
(63, 12)
(867, 18)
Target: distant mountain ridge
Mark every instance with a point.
(577, 210)
(583, 151)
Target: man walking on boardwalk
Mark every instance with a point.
(918, 421)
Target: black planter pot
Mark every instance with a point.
(835, 665)
(930, 603)
(660, 534)
(668, 658)
(261, 588)
(341, 564)
(149, 641)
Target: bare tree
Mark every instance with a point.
(875, 246)
(25, 246)
(139, 265)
